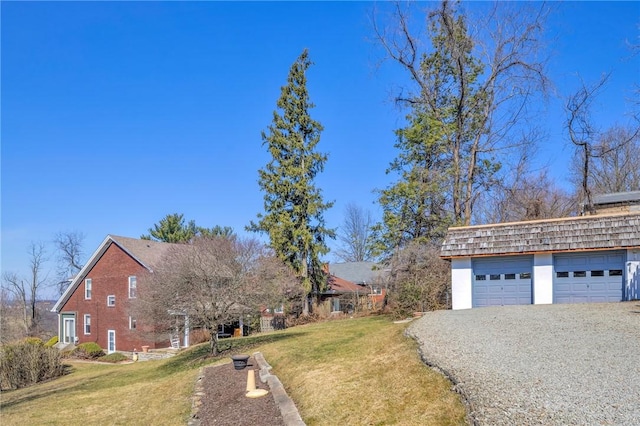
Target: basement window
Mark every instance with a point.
(615, 272)
(597, 273)
(579, 274)
(562, 274)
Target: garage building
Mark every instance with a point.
(568, 260)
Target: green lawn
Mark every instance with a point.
(352, 371)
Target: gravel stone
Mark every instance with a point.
(573, 364)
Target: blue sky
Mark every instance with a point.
(115, 114)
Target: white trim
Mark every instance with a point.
(86, 323)
(132, 323)
(64, 330)
(111, 349)
(134, 280)
(88, 281)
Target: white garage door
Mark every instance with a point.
(501, 281)
(588, 277)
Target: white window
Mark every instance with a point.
(111, 300)
(132, 323)
(132, 287)
(87, 324)
(87, 288)
(278, 309)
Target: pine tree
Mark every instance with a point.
(293, 205)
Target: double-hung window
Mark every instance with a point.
(87, 324)
(132, 287)
(87, 288)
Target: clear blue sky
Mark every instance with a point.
(115, 114)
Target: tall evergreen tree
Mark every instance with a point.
(293, 205)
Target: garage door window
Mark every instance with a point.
(579, 274)
(525, 276)
(597, 273)
(562, 274)
(494, 277)
(481, 277)
(615, 273)
(509, 276)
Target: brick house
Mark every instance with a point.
(96, 307)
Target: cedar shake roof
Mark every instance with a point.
(551, 235)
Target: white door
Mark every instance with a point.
(111, 347)
(69, 330)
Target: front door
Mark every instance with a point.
(69, 330)
(111, 348)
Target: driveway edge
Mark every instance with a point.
(471, 417)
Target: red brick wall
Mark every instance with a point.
(110, 276)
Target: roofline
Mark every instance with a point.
(526, 253)
(538, 221)
(102, 248)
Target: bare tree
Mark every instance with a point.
(594, 147)
(354, 235)
(69, 257)
(25, 290)
(474, 81)
(614, 166)
(215, 280)
(419, 280)
(529, 197)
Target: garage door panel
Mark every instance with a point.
(497, 281)
(585, 278)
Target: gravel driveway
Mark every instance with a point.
(540, 364)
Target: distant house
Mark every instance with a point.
(592, 258)
(96, 307)
(353, 283)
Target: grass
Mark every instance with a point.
(351, 372)
(362, 372)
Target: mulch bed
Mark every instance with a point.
(224, 401)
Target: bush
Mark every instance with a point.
(88, 350)
(28, 362)
(114, 357)
(33, 341)
(51, 342)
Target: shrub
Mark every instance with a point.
(51, 342)
(28, 362)
(114, 357)
(33, 340)
(88, 350)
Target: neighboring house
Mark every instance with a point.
(352, 285)
(570, 260)
(96, 305)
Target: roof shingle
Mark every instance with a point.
(552, 235)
